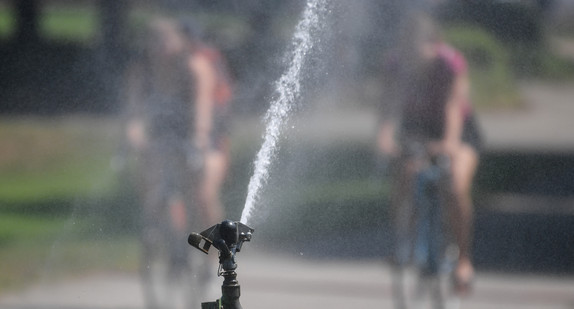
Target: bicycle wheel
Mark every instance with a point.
(434, 253)
(402, 262)
(421, 274)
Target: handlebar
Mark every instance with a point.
(419, 151)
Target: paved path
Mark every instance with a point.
(281, 282)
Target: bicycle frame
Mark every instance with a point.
(421, 237)
(428, 200)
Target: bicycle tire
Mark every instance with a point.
(422, 275)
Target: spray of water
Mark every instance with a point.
(287, 93)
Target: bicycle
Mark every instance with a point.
(170, 276)
(425, 255)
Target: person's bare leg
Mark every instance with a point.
(461, 212)
(214, 175)
(211, 209)
(178, 212)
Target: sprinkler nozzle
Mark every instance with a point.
(225, 236)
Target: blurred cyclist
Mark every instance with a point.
(429, 99)
(160, 120)
(179, 94)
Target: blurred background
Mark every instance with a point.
(67, 202)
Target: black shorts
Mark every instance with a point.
(471, 134)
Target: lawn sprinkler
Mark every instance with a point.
(227, 237)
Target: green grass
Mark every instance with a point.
(15, 228)
(62, 163)
(342, 192)
(58, 158)
(493, 82)
(69, 23)
(56, 188)
(551, 66)
(33, 248)
(7, 22)
(60, 182)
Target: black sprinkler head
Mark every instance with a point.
(232, 234)
(229, 233)
(227, 237)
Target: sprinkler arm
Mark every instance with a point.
(227, 236)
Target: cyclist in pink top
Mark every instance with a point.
(429, 101)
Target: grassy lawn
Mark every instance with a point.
(34, 248)
(55, 158)
(54, 182)
(59, 213)
(56, 185)
(69, 23)
(7, 22)
(75, 23)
